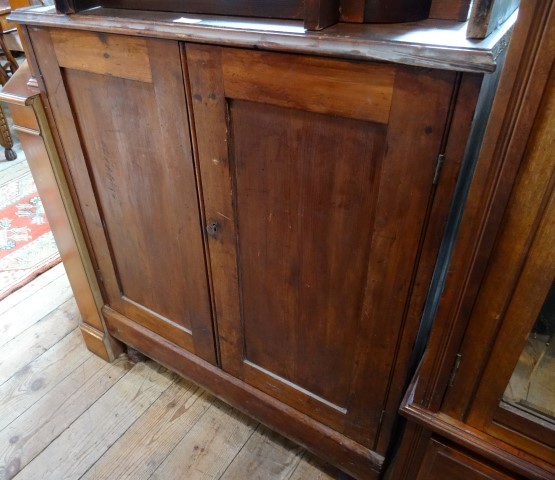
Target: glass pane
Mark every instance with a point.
(532, 385)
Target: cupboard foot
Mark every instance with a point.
(101, 344)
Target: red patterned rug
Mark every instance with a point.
(27, 247)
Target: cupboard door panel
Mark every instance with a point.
(126, 98)
(443, 462)
(303, 231)
(316, 208)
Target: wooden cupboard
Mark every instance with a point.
(265, 222)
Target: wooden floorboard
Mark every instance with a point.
(67, 414)
(39, 338)
(28, 290)
(265, 451)
(29, 311)
(142, 449)
(39, 377)
(30, 434)
(209, 447)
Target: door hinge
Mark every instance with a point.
(99, 276)
(439, 166)
(455, 369)
(382, 415)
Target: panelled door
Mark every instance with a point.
(119, 105)
(316, 175)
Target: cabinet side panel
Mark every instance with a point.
(463, 106)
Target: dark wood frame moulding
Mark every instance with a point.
(471, 439)
(519, 276)
(515, 107)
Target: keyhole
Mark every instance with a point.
(212, 229)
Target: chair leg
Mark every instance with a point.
(3, 76)
(6, 139)
(12, 62)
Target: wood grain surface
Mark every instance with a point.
(129, 161)
(321, 85)
(318, 204)
(36, 137)
(442, 462)
(118, 56)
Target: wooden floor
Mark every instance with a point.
(532, 384)
(66, 414)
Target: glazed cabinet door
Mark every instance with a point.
(317, 175)
(507, 384)
(120, 108)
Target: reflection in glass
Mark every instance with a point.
(532, 385)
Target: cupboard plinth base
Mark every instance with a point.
(99, 343)
(351, 457)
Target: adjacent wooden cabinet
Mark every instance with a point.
(264, 222)
(485, 388)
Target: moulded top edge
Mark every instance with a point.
(431, 43)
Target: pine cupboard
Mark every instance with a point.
(265, 220)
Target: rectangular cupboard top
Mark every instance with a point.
(430, 43)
